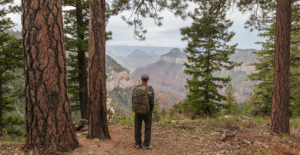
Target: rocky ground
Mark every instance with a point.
(244, 136)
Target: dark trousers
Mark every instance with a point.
(138, 120)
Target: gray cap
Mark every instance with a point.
(145, 76)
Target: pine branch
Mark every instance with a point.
(294, 29)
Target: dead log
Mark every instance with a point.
(224, 135)
(82, 123)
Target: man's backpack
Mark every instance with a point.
(140, 100)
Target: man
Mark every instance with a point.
(145, 115)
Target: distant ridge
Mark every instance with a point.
(126, 50)
(175, 53)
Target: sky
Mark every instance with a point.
(168, 35)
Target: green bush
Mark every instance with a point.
(13, 124)
(295, 107)
(156, 115)
(124, 119)
(109, 112)
(230, 104)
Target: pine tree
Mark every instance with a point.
(265, 57)
(11, 58)
(10, 54)
(76, 24)
(98, 127)
(49, 122)
(208, 53)
(230, 104)
(281, 84)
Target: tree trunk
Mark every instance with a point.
(1, 105)
(49, 124)
(207, 109)
(82, 76)
(281, 94)
(98, 127)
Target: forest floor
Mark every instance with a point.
(188, 137)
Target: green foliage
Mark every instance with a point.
(208, 53)
(11, 55)
(163, 113)
(5, 22)
(147, 9)
(109, 112)
(122, 99)
(156, 115)
(14, 124)
(230, 104)
(295, 106)
(124, 119)
(244, 108)
(11, 58)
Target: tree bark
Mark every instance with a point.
(82, 76)
(1, 105)
(281, 94)
(49, 124)
(98, 127)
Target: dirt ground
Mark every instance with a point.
(184, 138)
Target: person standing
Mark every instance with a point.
(142, 105)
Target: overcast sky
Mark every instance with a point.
(168, 35)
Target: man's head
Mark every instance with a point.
(145, 79)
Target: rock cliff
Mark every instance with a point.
(120, 84)
(167, 75)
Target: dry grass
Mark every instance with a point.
(199, 136)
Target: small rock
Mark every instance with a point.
(215, 133)
(229, 116)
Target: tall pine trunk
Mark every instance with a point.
(82, 77)
(281, 94)
(49, 122)
(98, 127)
(1, 102)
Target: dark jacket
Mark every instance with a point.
(151, 96)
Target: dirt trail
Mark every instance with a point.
(181, 138)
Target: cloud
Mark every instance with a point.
(168, 35)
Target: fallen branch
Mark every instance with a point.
(217, 130)
(268, 133)
(224, 135)
(248, 142)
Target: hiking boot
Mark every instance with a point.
(147, 147)
(138, 146)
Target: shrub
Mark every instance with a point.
(156, 115)
(13, 124)
(124, 119)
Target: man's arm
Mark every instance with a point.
(151, 93)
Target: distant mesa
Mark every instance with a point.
(152, 53)
(175, 53)
(137, 51)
